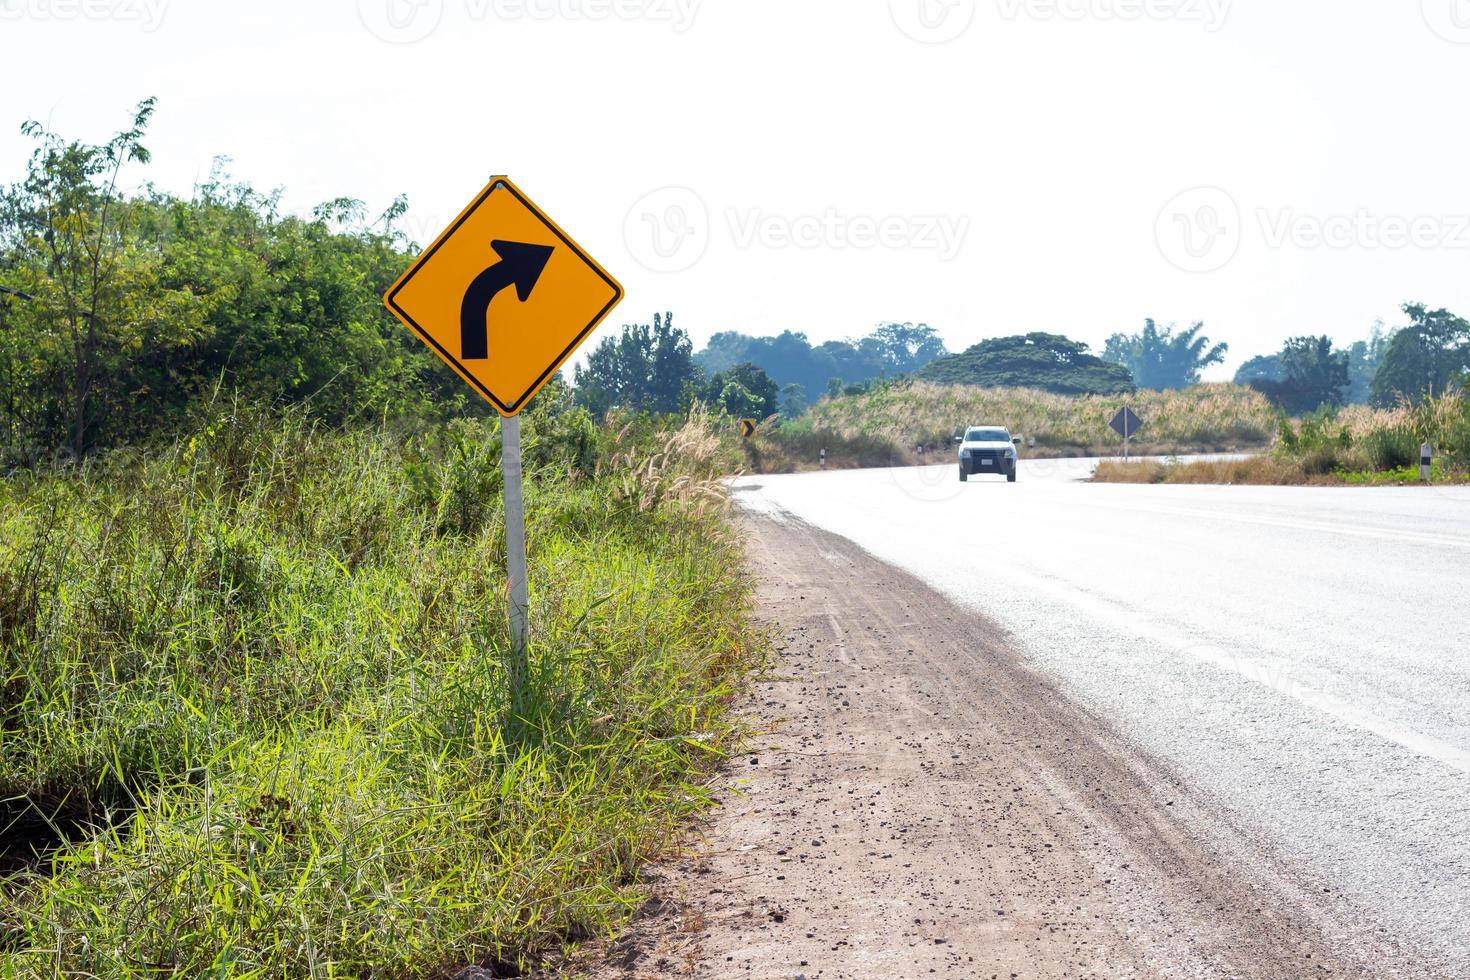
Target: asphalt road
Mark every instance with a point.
(1299, 656)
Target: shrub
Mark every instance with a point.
(1391, 449)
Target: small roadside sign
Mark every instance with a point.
(748, 427)
(503, 296)
(1125, 423)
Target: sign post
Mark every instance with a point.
(1426, 461)
(515, 541)
(1125, 423)
(504, 297)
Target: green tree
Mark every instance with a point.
(793, 401)
(1161, 359)
(644, 368)
(1425, 358)
(102, 299)
(1314, 376)
(743, 391)
(1364, 358)
(904, 347)
(1046, 361)
(1265, 367)
(146, 304)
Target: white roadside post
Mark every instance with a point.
(1426, 461)
(823, 457)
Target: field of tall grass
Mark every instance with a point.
(1356, 445)
(887, 425)
(254, 719)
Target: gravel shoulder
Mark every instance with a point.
(917, 802)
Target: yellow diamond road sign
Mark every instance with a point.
(504, 296)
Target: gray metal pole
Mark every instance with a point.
(515, 547)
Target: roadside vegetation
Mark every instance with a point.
(254, 715)
(1358, 445)
(887, 425)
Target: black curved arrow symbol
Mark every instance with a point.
(520, 266)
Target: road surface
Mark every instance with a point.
(1299, 658)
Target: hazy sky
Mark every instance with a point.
(1272, 167)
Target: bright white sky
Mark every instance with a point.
(985, 166)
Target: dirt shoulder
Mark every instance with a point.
(919, 802)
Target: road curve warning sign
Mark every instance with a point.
(504, 296)
(748, 427)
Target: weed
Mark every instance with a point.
(253, 709)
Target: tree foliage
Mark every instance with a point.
(144, 304)
(1425, 358)
(1048, 362)
(1313, 376)
(790, 359)
(644, 368)
(1265, 367)
(744, 391)
(1161, 359)
(1364, 359)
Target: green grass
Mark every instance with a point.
(253, 684)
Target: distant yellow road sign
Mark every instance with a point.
(504, 296)
(748, 427)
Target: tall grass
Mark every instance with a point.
(1355, 445)
(253, 711)
(887, 424)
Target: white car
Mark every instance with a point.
(987, 449)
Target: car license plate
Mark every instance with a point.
(987, 462)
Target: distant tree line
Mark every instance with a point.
(1422, 359)
(653, 367)
(807, 372)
